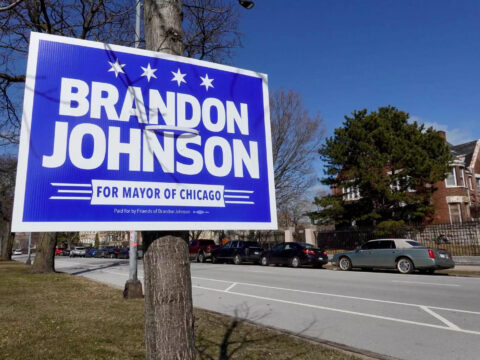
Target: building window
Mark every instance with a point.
(395, 186)
(351, 193)
(471, 182)
(462, 178)
(478, 186)
(451, 179)
(455, 213)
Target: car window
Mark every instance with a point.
(413, 243)
(193, 243)
(207, 242)
(252, 244)
(385, 244)
(306, 246)
(228, 245)
(369, 245)
(289, 247)
(278, 247)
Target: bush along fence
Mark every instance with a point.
(461, 239)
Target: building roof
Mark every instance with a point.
(466, 149)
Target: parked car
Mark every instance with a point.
(65, 252)
(78, 251)
(59, 251)
(101, 253)
(91, 252)
(17, 252)
(405, 255)
(112, 252)
(295, 254)
(201, 250)
(124, 253)
(238, 252)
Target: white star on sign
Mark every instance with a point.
(179, 77)
(206, 82)
(149, 72)
(117, 67)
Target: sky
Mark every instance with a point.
(421, 56)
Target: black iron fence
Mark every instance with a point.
(461, 239)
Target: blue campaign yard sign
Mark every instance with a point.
(116, 138)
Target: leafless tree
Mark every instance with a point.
(194, 234)
(210, 29)
(296, 136)
(8, 167)
(102, 20)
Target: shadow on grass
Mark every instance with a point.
(225, 338)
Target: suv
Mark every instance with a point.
(78, 251)
(238, 252)
(201, 250)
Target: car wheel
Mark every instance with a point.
(405, 266)
(214, 260)
(237, 260)
(295, 262)
(200, 257)
(345, 264)
(264, 261)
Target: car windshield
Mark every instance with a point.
(413, 243)
(306, 246)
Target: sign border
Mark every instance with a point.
(18, 225)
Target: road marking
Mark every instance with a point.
(230, 287)
(342, 296)
(422, 283)
(342, 311)
(441, 318)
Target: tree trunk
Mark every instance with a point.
(169, 332)
(45, 254)
(7, 241)
(168, 289)
(163, 26)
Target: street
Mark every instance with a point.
(402, 316)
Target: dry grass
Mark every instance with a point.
(59, 316)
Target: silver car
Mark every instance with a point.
(78, 251)
(402, 254)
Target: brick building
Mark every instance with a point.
(457, 198)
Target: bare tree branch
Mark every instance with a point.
(11, 6)
(295, 138)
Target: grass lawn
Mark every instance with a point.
(60, 316)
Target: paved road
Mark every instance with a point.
(403, 316)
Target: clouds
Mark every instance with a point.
(455, 136)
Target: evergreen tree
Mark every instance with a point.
(381, 167)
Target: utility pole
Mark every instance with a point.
(169, 332)
(29, 260)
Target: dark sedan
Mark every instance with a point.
(238, 252)
(295, 254)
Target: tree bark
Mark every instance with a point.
(169, 332)
(45, 254)
(163, 26)
(7, 241)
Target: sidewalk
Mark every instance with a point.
(462, 270)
